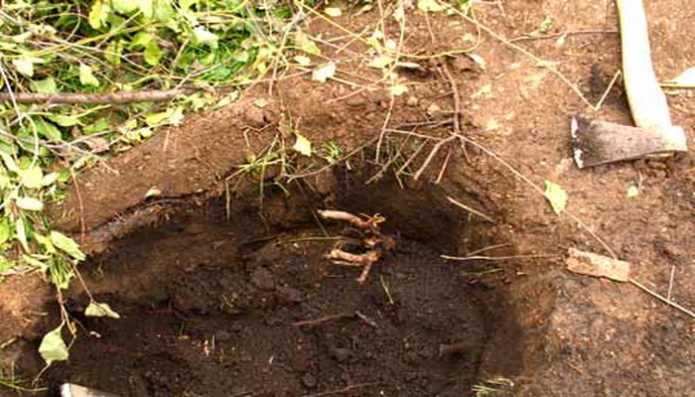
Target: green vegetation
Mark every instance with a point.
(205, 49)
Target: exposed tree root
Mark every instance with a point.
(376, 243)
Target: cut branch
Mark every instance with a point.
(112, 98)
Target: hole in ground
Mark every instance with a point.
(211, 303)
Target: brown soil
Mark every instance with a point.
(182, 274)
(219, 317)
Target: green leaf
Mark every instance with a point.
(46, 243)
(302, 145)
(163, 11)
(147, 9)
(99, 126)
(556, 195)
(125, 6)
(114, 51)
(29, 204)
(47, 130)
(45, 86)
(24, 66)
(141, 40)
(9, 162)
(67, 244)
(65, 121)
(49, 179)
(98, 14)
(31, 177)
(153, 53)
(21, 234)
(96, 309)
(156, 118)
(203, 36)
(53, 347)
(5, 265)
(5, 230)
(31, 261)
(87, 76)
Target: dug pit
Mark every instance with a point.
(243, 302)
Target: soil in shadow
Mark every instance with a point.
(218, 306)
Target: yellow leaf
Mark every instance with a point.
(380, 62)
(302, 145)
(632, 191)
(305, 44)
(430, 6)
(333, 12)
(398, 89)
(302, 60)
(556, 195)
(323, 72)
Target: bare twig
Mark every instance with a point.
(670, 283)
(662, 298)
(120, 97)
(366, 319)
(430, 156)
(322, 320)
(469, 209)
(341, 391)
(496, 258)
(608, 90)
(574, 33)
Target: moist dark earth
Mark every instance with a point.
(224, 312)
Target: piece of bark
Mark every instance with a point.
(595, 265)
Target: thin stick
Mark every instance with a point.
(383, 128)
(552, 36)
(386, 290)
(322, 320)
(457, 98)
(429, 158)
(670, 283)
(496, 258)
(341, 391)
(608, 90)
(469, 209)
(662, 298)
(488, 248)
(441, 171)
(121, 97)
(366, 319)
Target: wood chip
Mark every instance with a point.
(595, 265)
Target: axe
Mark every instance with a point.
(598, 142)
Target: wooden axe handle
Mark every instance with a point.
(647, 100)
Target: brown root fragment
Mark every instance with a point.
(372, 239)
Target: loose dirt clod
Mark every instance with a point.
(376, 243)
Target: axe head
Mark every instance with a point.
(599, 142)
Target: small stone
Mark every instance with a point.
(341, 354)
(412, 101)
(263, 279)
(222, 336)
(289, 294)
(309, 381)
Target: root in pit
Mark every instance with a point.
(371, 239)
